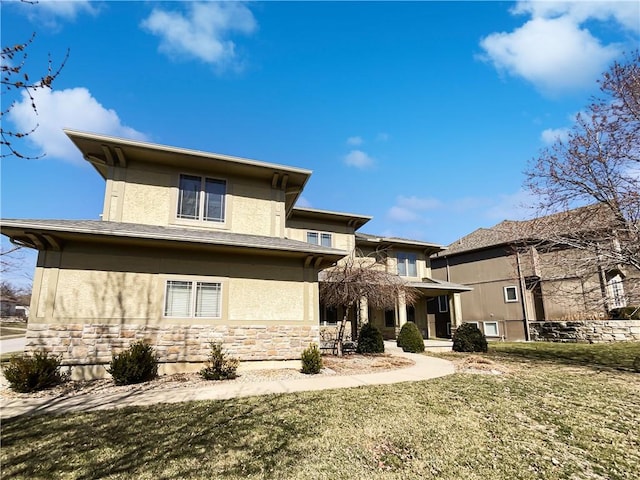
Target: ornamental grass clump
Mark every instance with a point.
(410, 339)
(30, 373)
(469, 338)
(219, 365)
(370, 340)
(311, 360)
(137, 364)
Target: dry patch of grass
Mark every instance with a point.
(357, 364)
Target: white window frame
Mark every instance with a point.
(193, 298)
(407, 259)
(200, 214)
(477, 324)
(506, 296)
(615, 292)
(320, 236)
(446, 304)
(484, 329)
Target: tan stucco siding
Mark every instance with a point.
(86, 283)
(147, 194)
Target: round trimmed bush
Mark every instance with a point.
(370, 340)
(410, 339)
(468, 338)
(137, 364)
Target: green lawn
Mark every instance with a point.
(8, 329)
(542, 420)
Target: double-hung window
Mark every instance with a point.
(201, 198)
(185, 299)
(319, 238)
(407, 264)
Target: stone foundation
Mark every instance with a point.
(95, 344)
(589, 331)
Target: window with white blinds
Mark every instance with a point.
(193, 299)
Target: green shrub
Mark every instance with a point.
(137, 364)
(468, 338)
(370, 340)
(410, 339)
(30, 373)
(219, 366)
(311, 360)
(625, 313)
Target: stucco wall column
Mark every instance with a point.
(402, 311)
(455, 307)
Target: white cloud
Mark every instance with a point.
(71, 108)
(625, 13)
(358, 159)
(554, 50)
(303, 203)
(51, 12)
(556, 55)
(355, 141)
(202, 31)
(515, 206)
(409, 209)
(551, 135)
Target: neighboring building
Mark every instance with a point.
(196, 247)
(518, 279)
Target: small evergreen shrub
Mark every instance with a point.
(468, 338)
(30, 373)
(311, 360)
(219, 365)
(370, 340)
(410, 339)
(137, 364)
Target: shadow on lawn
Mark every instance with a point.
(235, 437)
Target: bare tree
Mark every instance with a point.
(356, 278)
(597, 165)
(16, 78)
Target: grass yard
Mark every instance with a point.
(9, 329)
(543, 420)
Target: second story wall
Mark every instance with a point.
(160, 195)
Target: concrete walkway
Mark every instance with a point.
(425, 368)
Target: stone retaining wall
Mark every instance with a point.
(591, 331)
(82, 344)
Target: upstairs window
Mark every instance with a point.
(319, 238)
(407, 264)
(510, 294)
(201, 198)
(615, 292)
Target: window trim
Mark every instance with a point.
(506, 296)
(446, 305)
(193, 297)
(200, 217)
(320, 235)
(484, 329)
(477, 324)
(407, 256)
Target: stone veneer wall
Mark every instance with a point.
(93, 344)
(592, 331)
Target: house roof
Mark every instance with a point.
(378, 239)
(103, 151)
(431, 284)
(47, 233)
(351, 219)
(585, 219)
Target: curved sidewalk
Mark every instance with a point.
(425, 368)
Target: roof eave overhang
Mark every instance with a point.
(54, 239)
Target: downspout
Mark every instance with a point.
(523, 289)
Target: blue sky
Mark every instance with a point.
(422, 114)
